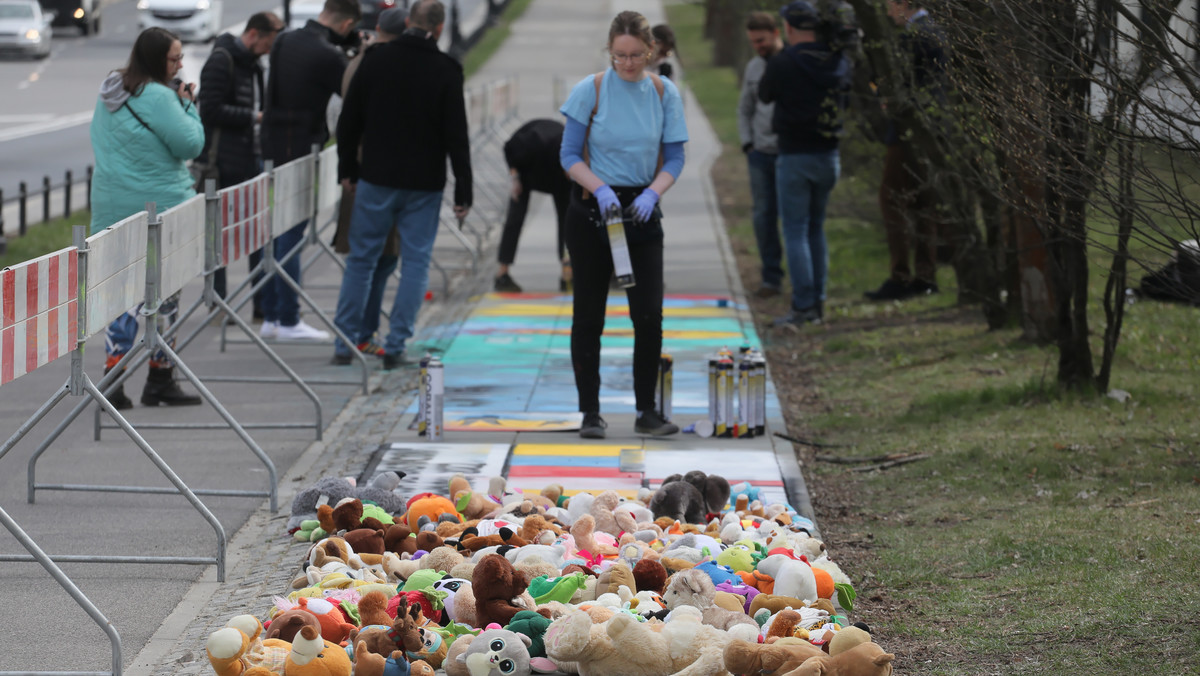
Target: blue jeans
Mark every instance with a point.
(766, 216)
(804, 181)
(371, 313)
(121, 335)
(378, 209)
(279, 301)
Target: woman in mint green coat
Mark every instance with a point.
(144, 131)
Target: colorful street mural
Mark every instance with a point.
(513, 354)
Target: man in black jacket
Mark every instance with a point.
(807, 82)
(405, 108)
(907, 199)
(306, 70)
(532, 157)
(231, 89)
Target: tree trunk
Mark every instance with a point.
(726, 29)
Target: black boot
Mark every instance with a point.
(161, 388)
(117, 397)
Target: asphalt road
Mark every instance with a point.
(45, 106)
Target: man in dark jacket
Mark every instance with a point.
(807, 82)
(405, 107)
(532, 157)
(306, 70)
(907, 200)
(231, 89)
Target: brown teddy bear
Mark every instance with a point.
(650, 575)
(775, 659)
(496, 583)
(399, 538)
(471, 541)
(535, 525)
(366, 541)
(287, 624)
(864, 659)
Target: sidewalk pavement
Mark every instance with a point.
(504, 354)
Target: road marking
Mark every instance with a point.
(56, 124)
(18, 119)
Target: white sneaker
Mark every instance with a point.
(269, 330)
(301, 331)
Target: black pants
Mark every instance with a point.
(591, 259)
(517, 209)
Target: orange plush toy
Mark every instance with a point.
(429, 505)
(334, 627)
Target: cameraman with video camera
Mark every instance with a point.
(808, 82)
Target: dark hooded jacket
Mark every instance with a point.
(227, 108)
(808, 84)
(306, 69)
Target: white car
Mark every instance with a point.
(192, 20)
(24, 28)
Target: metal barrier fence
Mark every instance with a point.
(51, 306)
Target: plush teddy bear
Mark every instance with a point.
(310, 656)
(865, 659)
(325, 491)
(584, 532)
(678, 500)
(495, 584)
(715, 489)
(650, 575)
(774, 659)
(602, 511)
(334, 626)
(470, 504)
(239, 645)
(694, 588)
(441, 559)
(284, 626)
(535, 528)
(623, 646)
(366, 541)
(421, 668)
(497, 652)
(792, 577)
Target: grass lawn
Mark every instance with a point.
(43, 238)
(493, 38)
(1048, 533)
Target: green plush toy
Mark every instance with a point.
(371, 509)
(529, 623)
(545, 589)
(738, 557)
(422, 579)
(310, 531)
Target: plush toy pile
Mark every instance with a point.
(697, 577)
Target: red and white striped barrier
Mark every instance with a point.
(38, 312)
(244, 224)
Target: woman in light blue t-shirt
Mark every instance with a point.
(632, 126)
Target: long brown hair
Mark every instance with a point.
(148, 60)
(634, 24)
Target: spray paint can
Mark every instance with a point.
(434, 384)
(622, 266)
(664, 389)
(422, 421)
(712, 389)
(759, 387)
(745, 424)
(725, 394)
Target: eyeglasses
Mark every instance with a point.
(176, 59)
(628, 58)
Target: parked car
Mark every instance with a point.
(83, 14)
(25, 28)
(192, 20)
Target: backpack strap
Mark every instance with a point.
(596, 80)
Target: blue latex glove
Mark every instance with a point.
(606, 199)
(643, 206)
